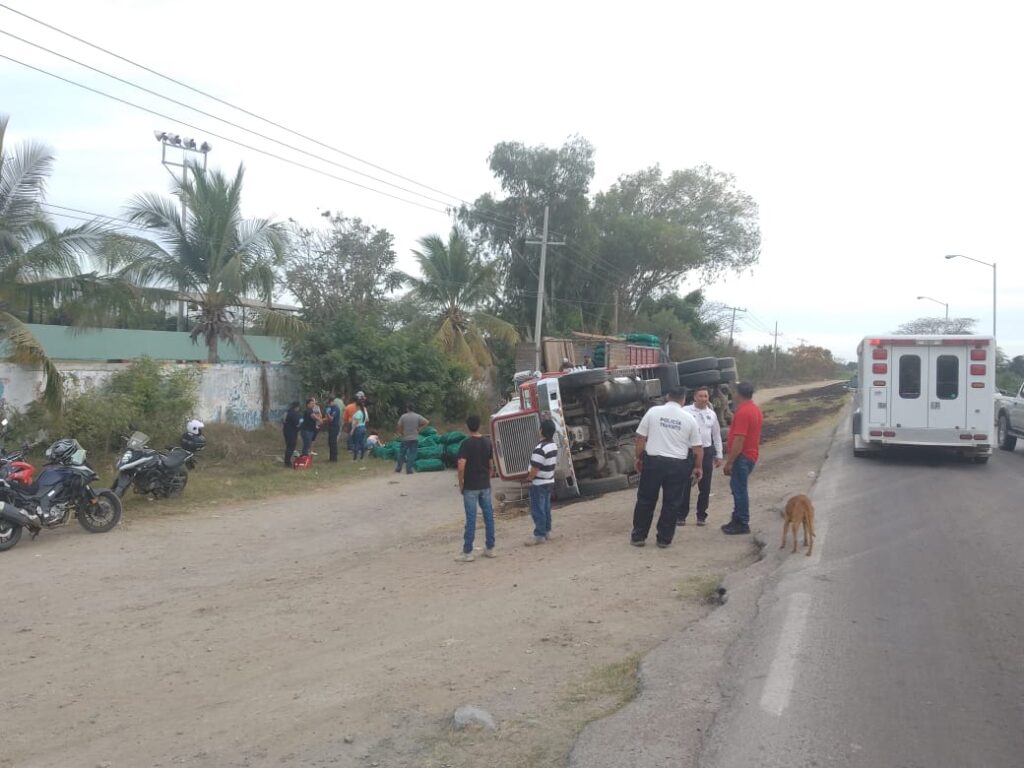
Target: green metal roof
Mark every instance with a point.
(63, 343)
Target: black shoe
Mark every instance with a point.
(663, 545)
(735, 528)
(702, 522)
(681, 521)
(636, 543)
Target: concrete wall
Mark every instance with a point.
(227, 392)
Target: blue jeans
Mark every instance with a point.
(540, 509)
(358, 442)
(307, 441)
(741, 469)
(407, 454)
(470, 499)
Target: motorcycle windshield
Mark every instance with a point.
(137, 441)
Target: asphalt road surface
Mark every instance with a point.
(900, 642)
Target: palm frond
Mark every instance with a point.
(25, 349)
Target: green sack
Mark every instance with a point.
(452, 437)
(429, 465)
(430, 452)
(426, 440)
(428, 432)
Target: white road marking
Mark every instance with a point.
(820, 529)
(782, 673)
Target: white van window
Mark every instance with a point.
(947, 377)
(910, 377)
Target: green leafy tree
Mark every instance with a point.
(349, 262)
(356, 350)
(223, 264)
(41, 266)
(532, 177)
(656, 229)
(455, 285)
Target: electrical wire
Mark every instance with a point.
(221, 136)
(225, 102)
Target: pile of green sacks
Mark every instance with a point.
(435, 452)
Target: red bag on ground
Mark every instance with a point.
(302, 462)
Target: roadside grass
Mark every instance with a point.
(703, 588)
(543, 741)
(240, 465)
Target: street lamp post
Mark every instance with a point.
(174, 141)
(943, 303)
(987, 264)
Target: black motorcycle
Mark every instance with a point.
(151, 472)
(62, 490)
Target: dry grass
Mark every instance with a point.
(701, 588)
(243, 466)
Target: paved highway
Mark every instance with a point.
(900, 642)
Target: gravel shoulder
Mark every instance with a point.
(335, 628)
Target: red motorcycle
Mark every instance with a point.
(13, 466)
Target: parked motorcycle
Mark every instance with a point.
(13, 466)
(149, 471)
(64, 488)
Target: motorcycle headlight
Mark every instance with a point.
(125, 458)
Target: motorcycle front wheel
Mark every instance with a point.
(10, 534)
(101, 516)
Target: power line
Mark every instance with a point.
(221, 136)
(226, 122)
(227, 103)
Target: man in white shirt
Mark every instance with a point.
(668, 451)
(711, 438)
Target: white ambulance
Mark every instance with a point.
(925, 391)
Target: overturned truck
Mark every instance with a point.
(596, 412)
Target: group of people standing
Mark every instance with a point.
(677, 447)
(335, 417)
(680, 446)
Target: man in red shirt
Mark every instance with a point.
(741, 455)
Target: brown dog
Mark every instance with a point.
(799, 511)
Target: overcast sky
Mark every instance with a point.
(876, 137)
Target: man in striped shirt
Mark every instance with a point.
(542, 482)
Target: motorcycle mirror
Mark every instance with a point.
(133, 428)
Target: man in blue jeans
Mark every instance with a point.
(543, 461)
(742, 453)
(474, 464)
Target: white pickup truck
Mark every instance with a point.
(1010, 419)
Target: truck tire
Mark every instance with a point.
(697, 364)
(577, 379)
(669, 377)
(726, 362)
(729, 375)
(597, 485)
(1006, 441)
(700, 378)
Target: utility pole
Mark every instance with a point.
(615, 314)
(174, 141)
(543, 243)
(775, 347)
(732, 325)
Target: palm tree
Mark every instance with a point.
(221, 263)
(455, 284)
(40, 264)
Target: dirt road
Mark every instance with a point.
(336, 629)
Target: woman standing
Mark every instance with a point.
(290, 429)
(359, 421)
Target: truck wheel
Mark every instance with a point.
(726, 362)
(698, 364)
(669, 377)
(701, 378)
(578, 379)
(729, 374)
(597, 485)
(1006, 441)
